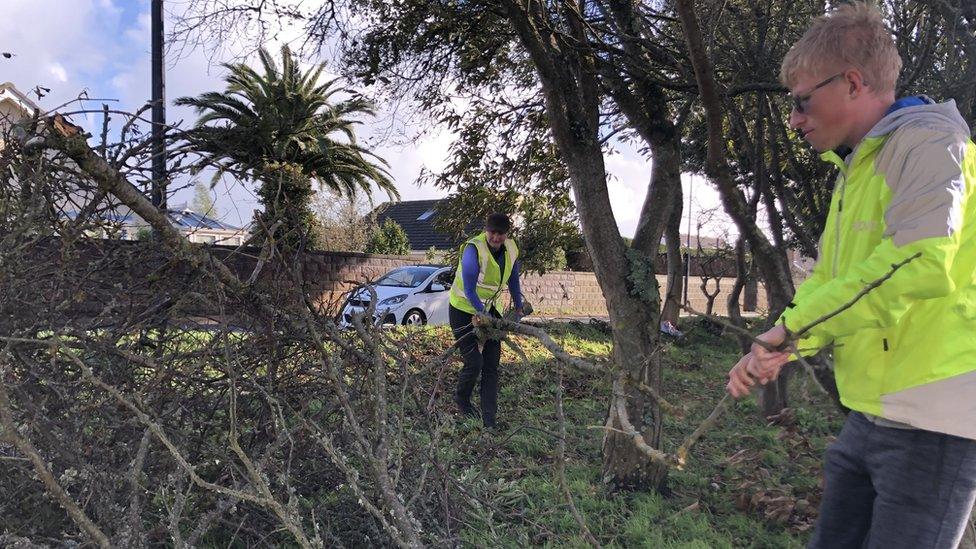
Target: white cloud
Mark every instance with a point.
(628, 175)
(138, 35)
(57, 43)
(58, 71)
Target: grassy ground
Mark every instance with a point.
(747, 483)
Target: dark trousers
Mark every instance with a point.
(483, 362)
(895, 488)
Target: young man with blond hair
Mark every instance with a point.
(902, 472)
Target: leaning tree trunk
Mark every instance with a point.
(571, 91)
(779, 283)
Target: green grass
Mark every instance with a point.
(747, 483)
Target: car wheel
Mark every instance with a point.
(414, 317)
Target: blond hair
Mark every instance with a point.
(849, 36)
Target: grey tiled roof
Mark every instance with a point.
(187, 219)
(421, 232)
(181, 219)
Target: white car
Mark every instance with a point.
(414, 295)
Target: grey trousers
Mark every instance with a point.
(895, 488)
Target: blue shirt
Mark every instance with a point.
(911, 101)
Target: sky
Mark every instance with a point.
(102, 47)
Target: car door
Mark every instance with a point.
(438, 300)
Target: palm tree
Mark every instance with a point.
(283, 129)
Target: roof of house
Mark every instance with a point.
(188, 219)
(10, 93)
(707, 242)
(417, 218)
(181, 219)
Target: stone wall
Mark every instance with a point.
(554, 294)
(327, 276)
(572, 294)
(113, 273)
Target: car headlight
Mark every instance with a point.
(395, 300)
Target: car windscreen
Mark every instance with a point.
(407, 277)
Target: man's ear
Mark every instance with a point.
(855, 82)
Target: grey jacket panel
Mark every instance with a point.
(922, 164)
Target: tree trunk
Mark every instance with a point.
(710, 295)
(572, 97)
(779, 283)
(773, 398)
(624, 466)
(741, 282)
(635, 331)
(672, 240)
(750, 294)
(778, 280)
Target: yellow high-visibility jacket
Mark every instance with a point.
(906, 351)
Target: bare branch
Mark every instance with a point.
(26, 448)
(801, 332)
(570, 360)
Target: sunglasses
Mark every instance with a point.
(800, 101)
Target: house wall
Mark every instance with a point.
(9, 112)
(14, 106)
(197, 236)
(206, 236)
(329, 275)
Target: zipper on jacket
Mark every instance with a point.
(840, 209)
(884, 343)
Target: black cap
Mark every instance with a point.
(498, 222)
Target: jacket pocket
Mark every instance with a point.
(860, 365)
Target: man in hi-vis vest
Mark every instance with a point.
(488, 262)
